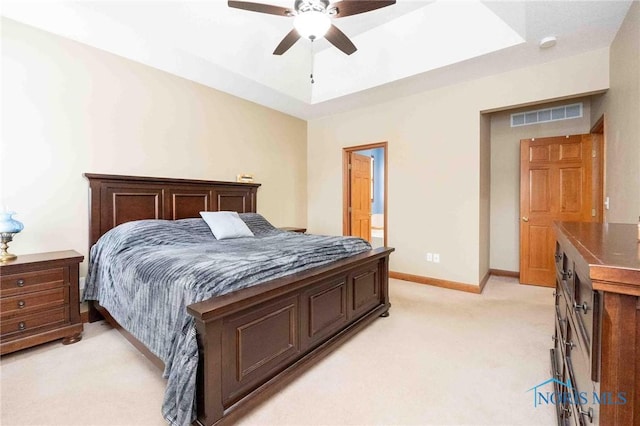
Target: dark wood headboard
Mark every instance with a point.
(115, 199)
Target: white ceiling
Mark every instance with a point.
(413, 45)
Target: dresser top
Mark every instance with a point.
(608, 248)
(53, 256)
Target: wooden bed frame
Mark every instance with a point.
(252, 341)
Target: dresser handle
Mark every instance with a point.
(569, 274)
(20, 282)
(569, 343)
(588, 413)
(21, 304)
(558, 257)
(22, 325)
(584, 306)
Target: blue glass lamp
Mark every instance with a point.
(8, 228)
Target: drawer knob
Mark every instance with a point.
(584, 306)
(22, 325)
(569, 344)
(20, 282)
(558, 257)
(569, 274)
(21, 304)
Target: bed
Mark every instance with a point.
(253, 340)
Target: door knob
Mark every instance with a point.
(525, 219)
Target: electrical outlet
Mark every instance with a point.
(436, 257)
(429, 257)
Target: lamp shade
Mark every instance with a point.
(8, 224)
(312, 24)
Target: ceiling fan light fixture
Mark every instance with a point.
(312, 24)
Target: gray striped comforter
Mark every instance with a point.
(146, 272)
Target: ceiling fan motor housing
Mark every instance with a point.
(302, 6)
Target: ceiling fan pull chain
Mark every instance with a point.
(312, 57)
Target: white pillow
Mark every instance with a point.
(226, 225)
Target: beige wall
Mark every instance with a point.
(621, 106)
(434, 160)
(505, 175)
(68, 109)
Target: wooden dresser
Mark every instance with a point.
(597, 326)
(39, 299)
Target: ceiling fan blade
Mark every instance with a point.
(353, 7)
(340, 40)
(288, 41)
(259, 7)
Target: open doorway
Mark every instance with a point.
(364, 186)
(505, 133)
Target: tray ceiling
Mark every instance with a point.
(413, 45)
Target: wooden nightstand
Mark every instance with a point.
(293, 229)
(39, 299)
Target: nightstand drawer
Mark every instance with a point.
(31, 281)
(24, 324)
(31, 302)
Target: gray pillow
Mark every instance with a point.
(226, 225)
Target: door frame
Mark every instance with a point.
(601, 149)
(346, 184)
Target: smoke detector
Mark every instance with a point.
(548, 42)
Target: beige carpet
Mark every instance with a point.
(442, 357)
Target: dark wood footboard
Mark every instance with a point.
(254, 339)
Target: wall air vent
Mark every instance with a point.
(565, 112)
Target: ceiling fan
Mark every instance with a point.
(312, 19)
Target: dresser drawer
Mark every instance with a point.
(585, 312)
(25, 324)
(582, 307)
(11, 285)
(561, 308)
(583, 405)
(561, 327)
(564, 269)
(27, 303)
(558, 352)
